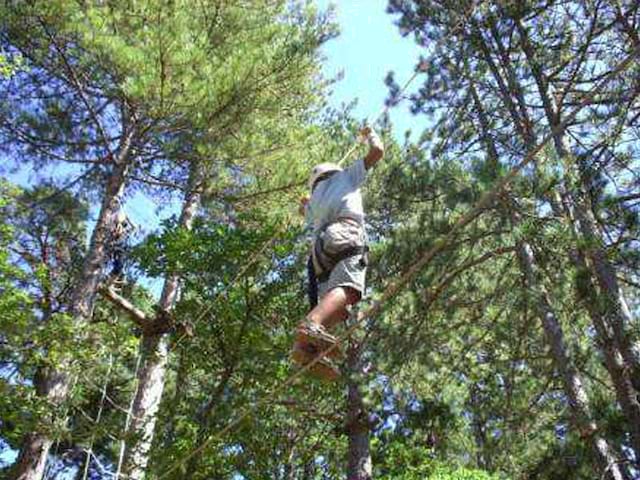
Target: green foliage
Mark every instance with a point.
(233, 86)
(9, 64)
(443, 472)
(36, 266)
(226, 99)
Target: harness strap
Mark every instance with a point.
(326, 261)
(343, 255)
(348, 252)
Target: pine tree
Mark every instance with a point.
(123, 86)
(484, 60)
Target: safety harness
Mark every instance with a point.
(326, 257)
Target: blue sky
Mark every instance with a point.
(368, 47)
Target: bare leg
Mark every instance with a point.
(329, 312)
(332, 308)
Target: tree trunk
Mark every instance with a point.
(289, 469)
(359, 466)
(33, 457)
(585, 425)
(626, 393)
(86, 287)
(151, 378)
(54, 383)
(155, 353)
(611, 316)
(582, 419)
(309, 470)
(562, 207)
(479, 428)
(612, 301)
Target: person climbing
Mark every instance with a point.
(122, 228)
(338, 257)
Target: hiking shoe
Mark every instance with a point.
(319, 337)
(324, 368)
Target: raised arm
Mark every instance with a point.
(376, 147)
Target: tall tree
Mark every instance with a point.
(121, 89)
(47, 248)
(500, 76)
(357, 422)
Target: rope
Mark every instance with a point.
(123, 443)
(200, 316)
(349, 152)
(243, 270)
(383, 111)
(395, 287)
(97, 419)
(235, 279)
(261, 250)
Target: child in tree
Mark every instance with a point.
(338, 252)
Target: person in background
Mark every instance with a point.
(122, 229)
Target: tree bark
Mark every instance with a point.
(289, 469)
(479, 428)
(54, 384)
(33, 457)
(151, 378)
(612, 300)
(582, 419)
(359, 466)
(308, 472)
(86, 287)
(563, 207)
(611, 316)
(617, 367)
(155, 353)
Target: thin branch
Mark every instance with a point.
(627, 198)
(81, 90)
(631, 283)
(122, 303)
(254, 195)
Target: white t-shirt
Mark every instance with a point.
(338, 196)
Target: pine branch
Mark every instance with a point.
(627, 198)
(81, 91)
(629, 282)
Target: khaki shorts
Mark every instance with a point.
(351, 271)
